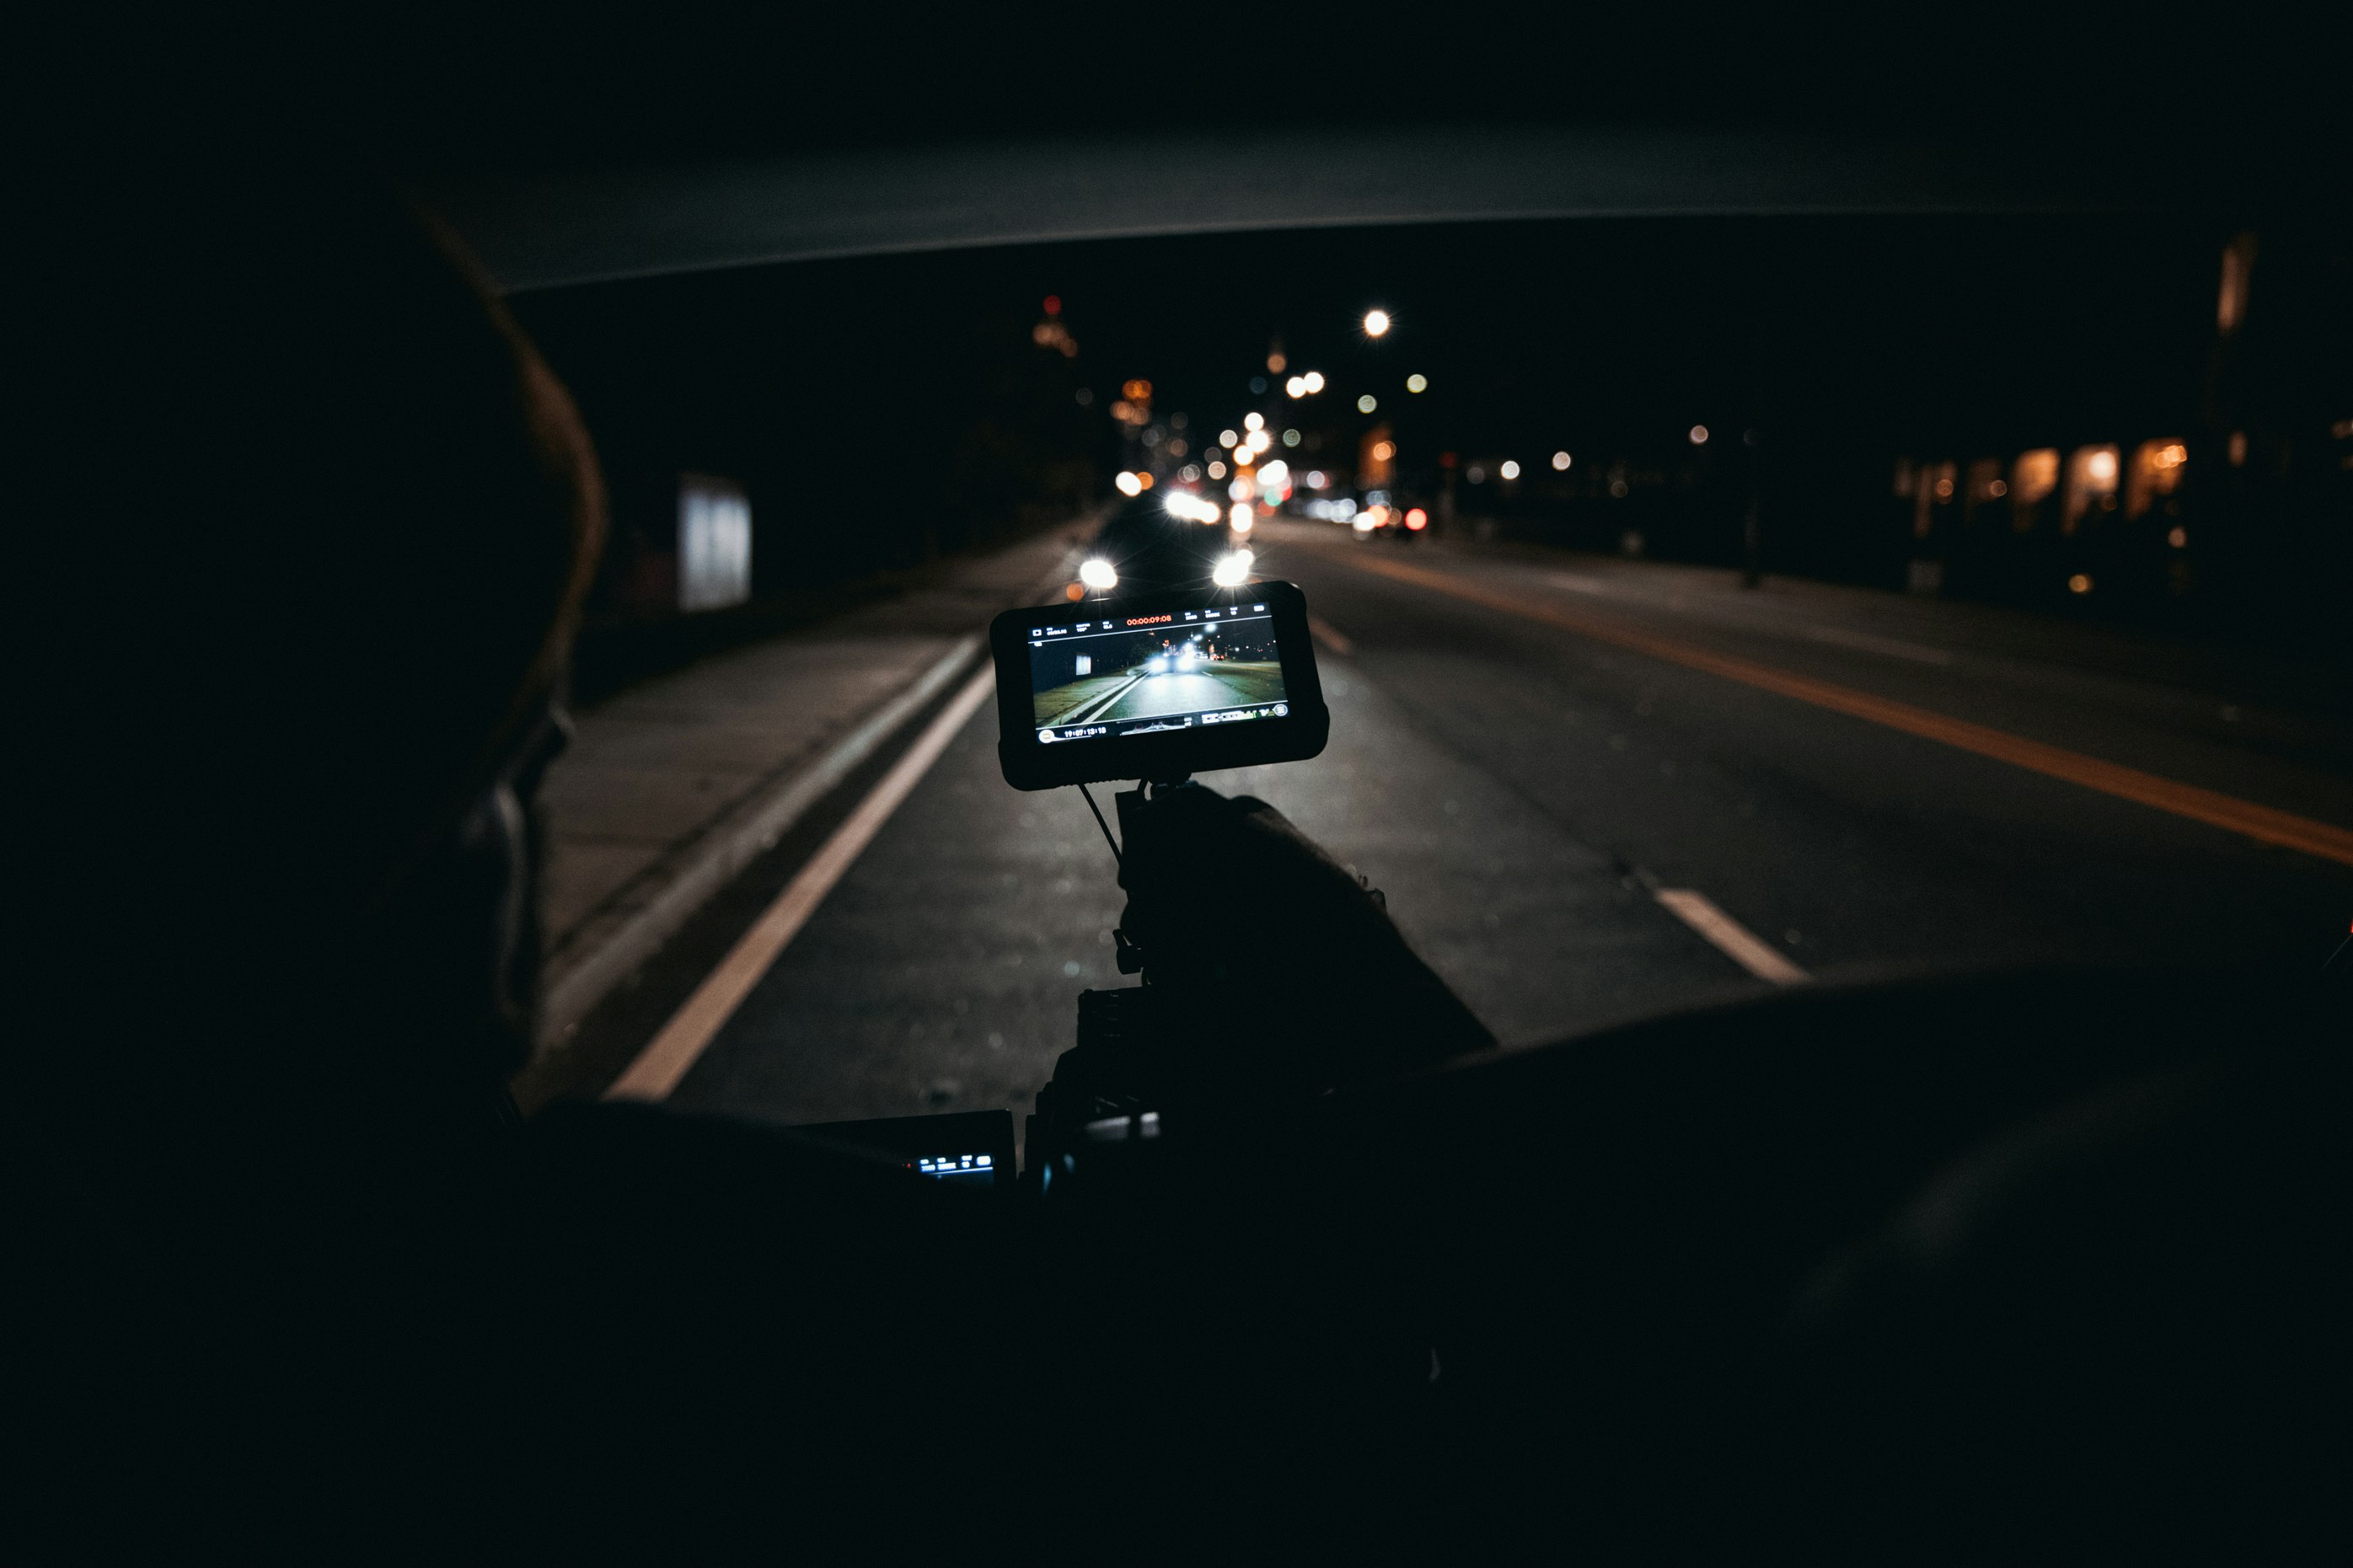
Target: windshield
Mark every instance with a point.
(1706, 606)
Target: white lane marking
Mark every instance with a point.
(1894, 646)
(668, 1055)
(1094, 705)
(1330, 637)
(1583, 584)
(1742, 946)
(578, 980)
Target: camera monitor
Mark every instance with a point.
(1156, 687)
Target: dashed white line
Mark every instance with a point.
(1735, 940)
(669, 1054)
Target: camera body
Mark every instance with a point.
(1157, 687)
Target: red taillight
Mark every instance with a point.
(1417, 519)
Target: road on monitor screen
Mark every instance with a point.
(1228, 684)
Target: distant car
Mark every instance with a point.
(1175, 659)
(1165, 540)
(1384, 515)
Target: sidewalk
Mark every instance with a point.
(673, 786)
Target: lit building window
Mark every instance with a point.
(2091, 486)
(2155, 472)
(2032, 477)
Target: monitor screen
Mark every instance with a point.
(1186, 668)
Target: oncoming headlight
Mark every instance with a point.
(1097, 573)
(1233, 571)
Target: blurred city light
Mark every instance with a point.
(1314, 380)
(2178, 539)
(1376, 324)
(2102, 466)
(1367, 403)
(1253, 422)
(1259, 441)
(1217, 470)
(1699, 434)
(1364, 522)
(1234, 570)
(1239, 517)
(1560, 462)
(1417, 519)
(1384, 450)
(1296, 386)
(1315, 479)
(1244, 456)
(1127, 483)
(2079, 583)
(1227, 438)
(1510, 470)
(1416, 383)
(1098, 574)
(1290, 437)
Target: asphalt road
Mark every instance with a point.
(1200, 691)
(1529, 749)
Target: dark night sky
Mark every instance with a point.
(1872, 333)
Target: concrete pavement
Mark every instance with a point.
(671, 787)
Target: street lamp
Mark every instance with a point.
(1376, 324)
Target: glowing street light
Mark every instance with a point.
(1314, 380)
(1560, 462)
(1128, 483)
(1510, 470)
(1376, 324)
(1699, 434)
(1416, 383)
(1254, 422)
(1295, 388)
(1367, 403)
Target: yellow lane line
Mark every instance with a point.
(2261, 823)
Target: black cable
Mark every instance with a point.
(1102, 824)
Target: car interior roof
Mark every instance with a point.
(640, 142)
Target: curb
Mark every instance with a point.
(621, 936)
(577, 982)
